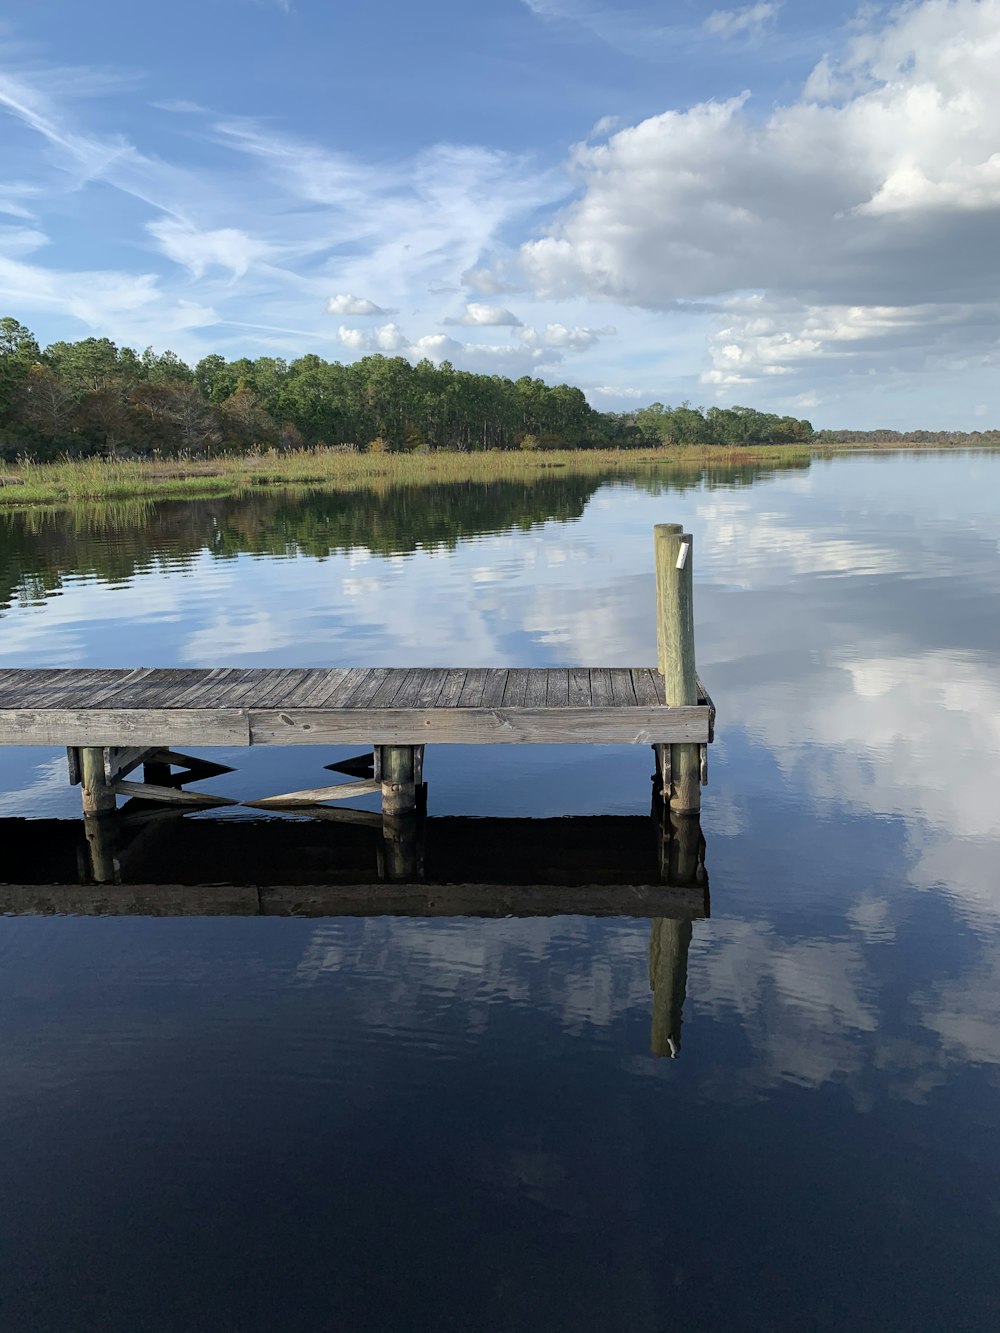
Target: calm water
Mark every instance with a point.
(453, 1123)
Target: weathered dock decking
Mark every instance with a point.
(234, 706)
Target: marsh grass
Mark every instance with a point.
(71, 481)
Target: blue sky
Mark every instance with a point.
(790, 205)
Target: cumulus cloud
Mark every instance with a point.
(748, 22)
(558, 335)
(877, 190)
(763, 338)
(345, 304)
(478, 315)
(386, 338)
(513, 359)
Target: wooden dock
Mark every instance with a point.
(113, 720)
(235, 706)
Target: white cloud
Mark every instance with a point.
(224, 247)
(886, 199)
(558, 335)
(21, 240)
(132, 305)
(357, 340)
(749, 22)
(513, 359)
(346, 304)
(386, 338)
(489, 279)
(614, 391)
(478, 315)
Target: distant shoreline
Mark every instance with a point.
(93, 480)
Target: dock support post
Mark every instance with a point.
(399, 780)
(675, 642)
(98, 793)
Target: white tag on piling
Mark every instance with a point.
(682, 554)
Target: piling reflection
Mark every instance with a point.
(355, 864)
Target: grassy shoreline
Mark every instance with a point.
(25, 484)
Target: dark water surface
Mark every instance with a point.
(384, 1122)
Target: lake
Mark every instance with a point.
(457, 1123)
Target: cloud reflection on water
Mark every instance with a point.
(847, 628)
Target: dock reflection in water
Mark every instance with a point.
(170, 864)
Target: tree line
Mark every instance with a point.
(882, 436)
(92, 397)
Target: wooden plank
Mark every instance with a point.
(150, 791)
(472, 690)
(115, 681)
(120, 760)
(406, 695)
(644, 686)
(389, 688)
(311, 681)
(705, 698)
(557, 688)
(155, 690)
(515, 693)
(479, 726)
(272, 688)
(127, 726)
(622, 689)
(252, 684)
(339, 687)
(429, 692)
(202, 687)
(496, 683)
(537, 687)
(578, 687)
(40, 688)
(453, 686)
(600, 687)
(365, 690)
(342, 791)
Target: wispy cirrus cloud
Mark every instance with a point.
(751, 21)
(318, 219)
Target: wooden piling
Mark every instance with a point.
(98, 793)
(399, 785)
(674, 550)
